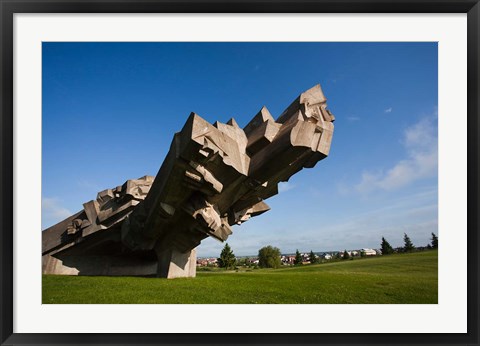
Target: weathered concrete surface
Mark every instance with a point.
(174, 264)
(99, 265)
(214, 176)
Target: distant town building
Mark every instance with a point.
(369, 252)
(327, 256)
(205, 262)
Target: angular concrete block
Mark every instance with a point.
(213, 177)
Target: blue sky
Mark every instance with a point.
(110, 111)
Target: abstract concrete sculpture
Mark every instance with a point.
(214, 176)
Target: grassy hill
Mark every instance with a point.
(395, 279)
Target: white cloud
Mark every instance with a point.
(355, 232)
(389, 110)
(53, 212)
(285, 186)
(415, 214)
(421, 160)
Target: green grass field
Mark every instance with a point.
(395, 279)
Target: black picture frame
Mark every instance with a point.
(9, 7)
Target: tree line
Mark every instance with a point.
(408, 246)
(270, 256)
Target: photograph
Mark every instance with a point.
(240, 172)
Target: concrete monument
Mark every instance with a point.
(213, 177)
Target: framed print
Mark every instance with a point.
(138, 137)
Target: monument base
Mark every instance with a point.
(174, 264)
(170, 264)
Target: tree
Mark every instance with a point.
(363, 253)
(434, 241)
(313, 258)
(386, 247)
(227, 259)
(298, 258)
(408, 246)
(243, 261)
(269, 257)
(346, 255)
